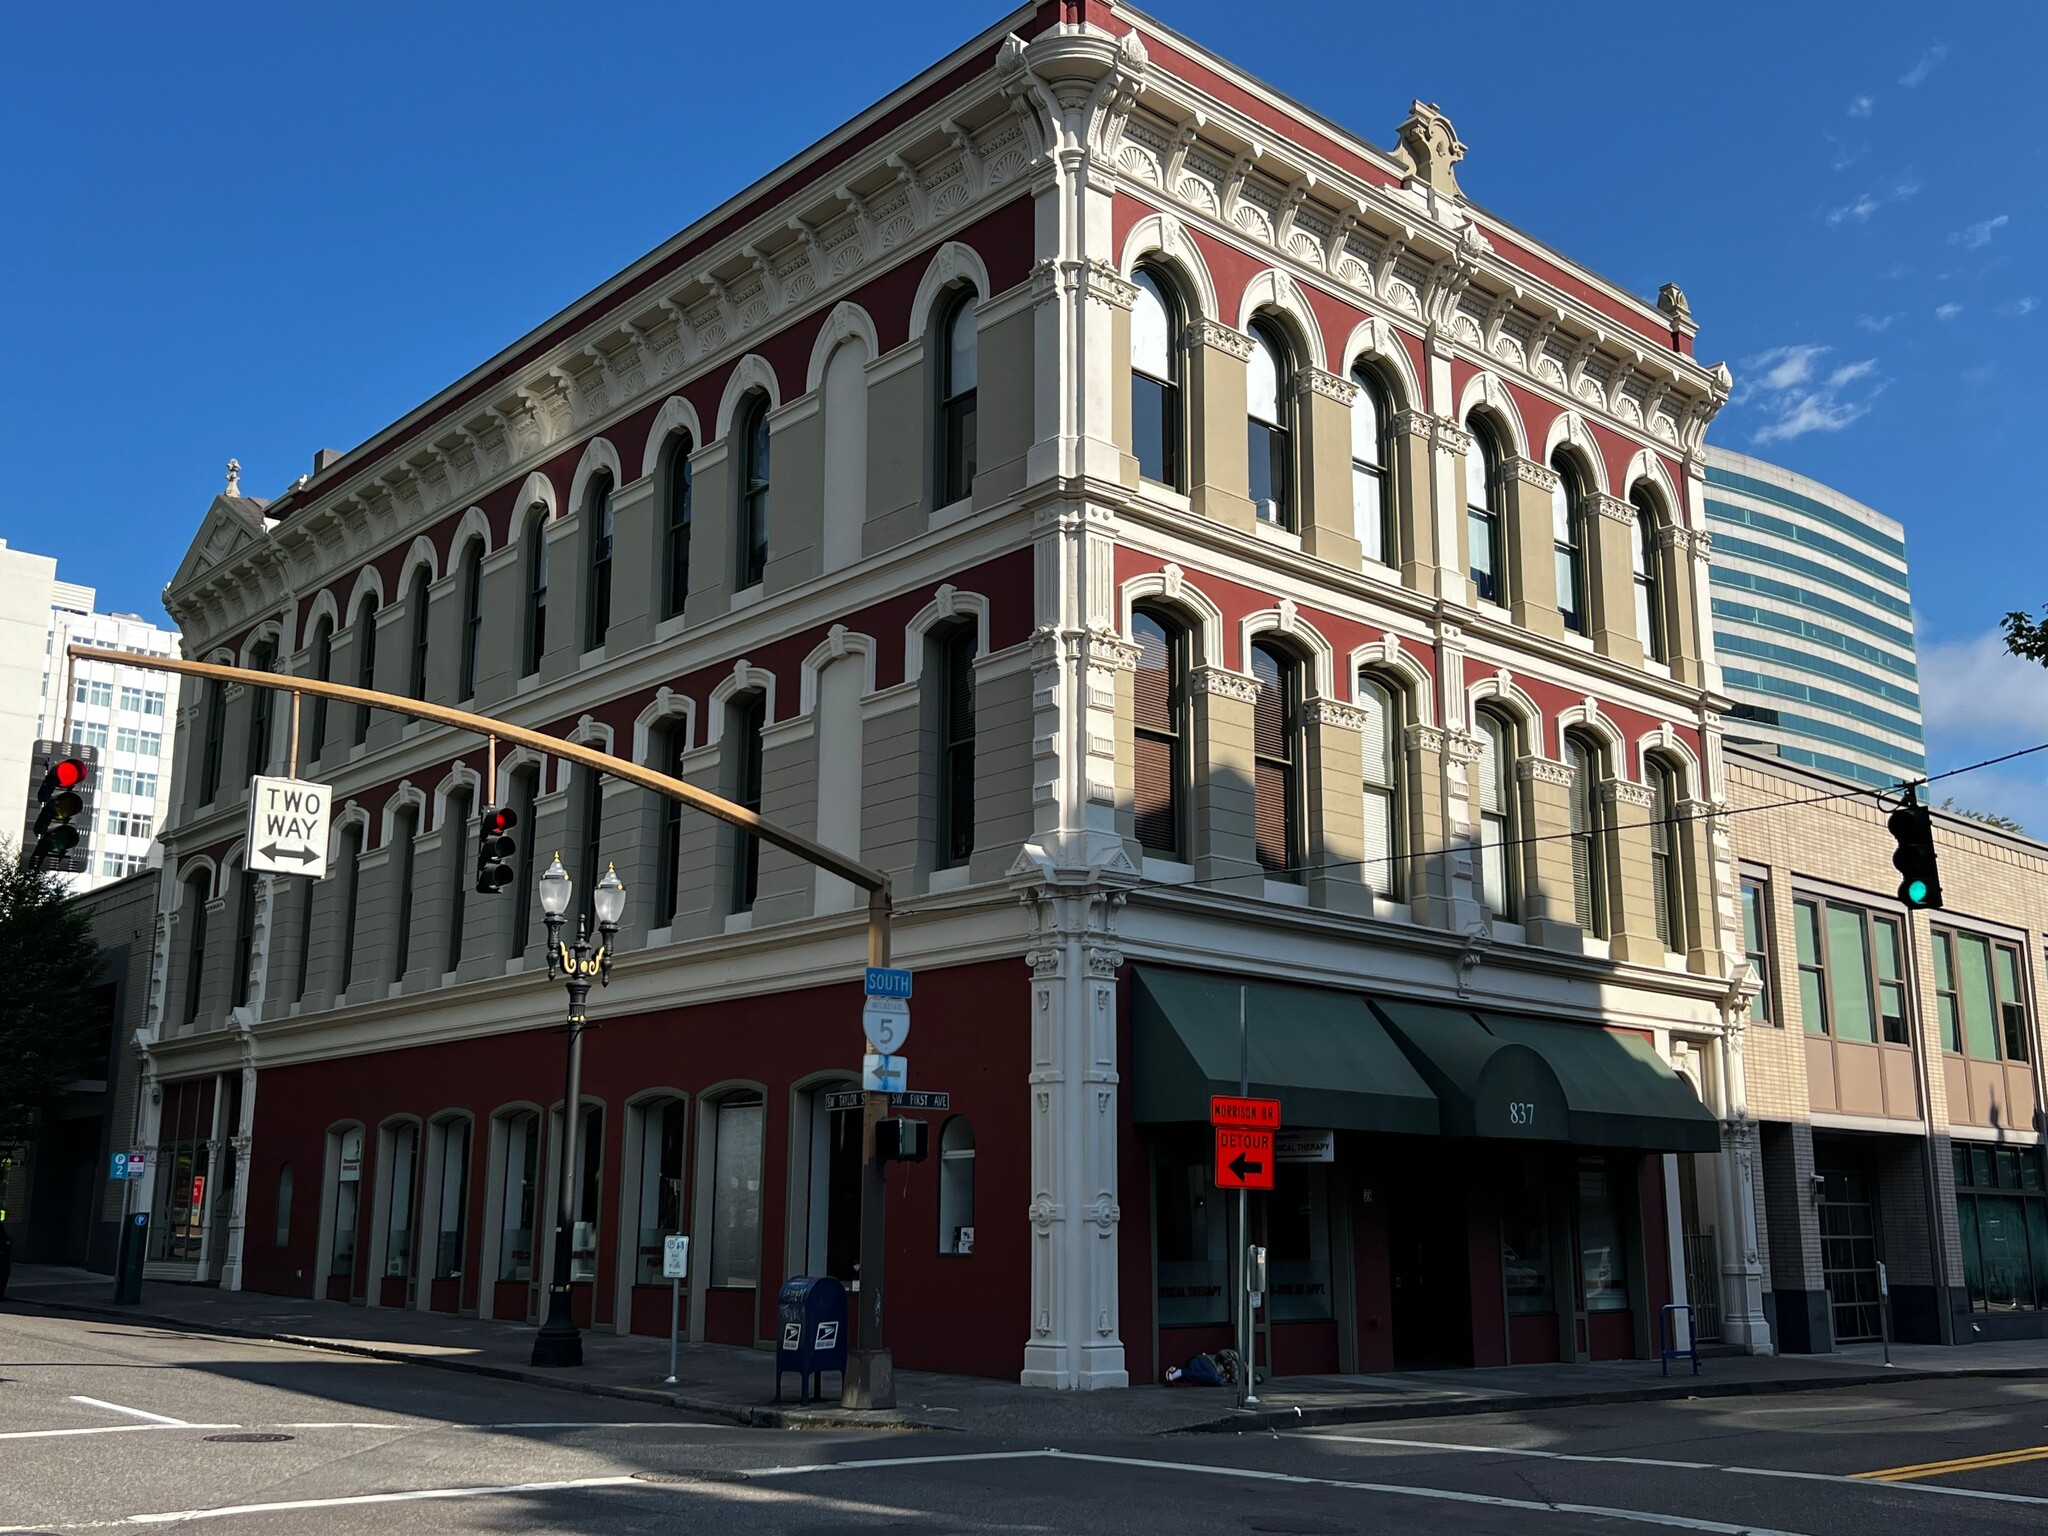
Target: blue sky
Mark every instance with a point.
(259, 230)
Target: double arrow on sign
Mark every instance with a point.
(298, 855)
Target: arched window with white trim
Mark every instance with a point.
(958, 377)
(660, 1193)
(1380, 756)
(1486, 558)
(1499, 823)
(751, 468)
(534, 560)
(597, 547)
(1651, 619)
(1372, 518)
(1278, 761)
(1156, 421)
(1589, 830)
(675, 526)
(472, 569)
(366, 660)
(1160, 734)
(1269, 449)
(1568, 541)
(416, 619)
(1667, 893)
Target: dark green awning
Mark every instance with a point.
(1497, 1075)
(1322, 1054)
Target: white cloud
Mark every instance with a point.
(1875, 322)
(1925, 66)
(1974, 237)
(2024, 305)
(1947, 311)
(1860, 104)
(1868, 203)
(1980, 701)
(1787, 387)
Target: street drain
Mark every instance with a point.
(249, 1439)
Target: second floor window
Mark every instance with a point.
(752, 475)
(455, 838)
(742, 753)
(1159, 735)
(597, 513)
(1667, 887)
(1482, 518)
(216, 732)
(1155, 380)
(958, 379)
(323, 669)
(1642, 547)
(261, 703)
(1277, 762)
(366, 661)
(1756, 947)
(195, 947)
(1589, 836)
(1568, 543)
(351, 902)
(1371, 523)
(1851, 972)
(668, 848)
(416, 616)
(956, 650)
(1268, 448)
(1977, 993)
(1380, 749)
(1499, 827)
(675, 534)
(472, 616)
(535, 560)
(406, 828)
(245, 938)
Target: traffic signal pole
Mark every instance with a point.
(870, 1379)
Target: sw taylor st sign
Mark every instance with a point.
(288, 827)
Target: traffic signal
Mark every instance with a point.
(494, 846)
(902, 1139)
(63, 774)
(1919, 878)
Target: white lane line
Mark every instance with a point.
(101, 1429)
(133, 1413)
(896, 1461)
(599, 1424)
(410, 1496)
(1689, 1466)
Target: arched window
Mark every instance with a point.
(1650, 617)
(1568, 542)
(1371, 512)
(1277, 761)
(405, 827)
(1666, 893)
(535, 560)
(1160, 735)
(455, 841)
(668, 846)
(741, 773)
(1482, 515)
(957, 377)
(1589, 834)
(956, 1186)
(736, 1168)
(675, 529)
(323, 669)
(401, 1198)
(216, 737)
(1155, 379)
(284, 1205)
(597, 544)
(752, 477)
(517, 1195)
(348, 1191)
(1380, 753)
(451, 1231)
(1268, 449)
(366, 660)
(951, 667)
(661, 1182)
(416, 615)
(587, 860)
(472, 615)
(351, 901)
(1499, 826)
(196, 896)
(245, 938)
(305, 959)
(526, 785)
(261, 702)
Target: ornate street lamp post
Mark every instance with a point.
(558, 1342)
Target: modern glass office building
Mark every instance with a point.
(1813, 622)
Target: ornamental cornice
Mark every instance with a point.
(1336, 714)
(1224, 683)
(1613, 507)
(1112, 652)
(1465, 747)
(1423, 738)
(1412, 423)
(1214, 333)
(1449, 437)
(1106, 285)
(1541, 476)
(1697, 542)
(1622, 792)
(1316, 381)
(1544, 770)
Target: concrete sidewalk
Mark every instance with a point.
(738, 1384)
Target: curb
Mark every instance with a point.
(1240, 1422)
(753, 1416)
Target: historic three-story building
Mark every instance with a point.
(1229, 581)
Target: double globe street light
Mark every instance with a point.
(559, 1342)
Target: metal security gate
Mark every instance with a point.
(1703, 1285)
(1848, 1254)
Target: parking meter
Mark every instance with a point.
(1255, 1273)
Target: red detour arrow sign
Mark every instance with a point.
(1244, 1158)
(1253, 1114)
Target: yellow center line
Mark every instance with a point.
(1957, 1464)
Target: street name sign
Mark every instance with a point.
(886, 981)
(1257, 1114)
(835, 1103)
(1244, 1158)
(886, 1021)
(288, 827)
(883, 1074)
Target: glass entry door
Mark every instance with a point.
(1848, 1254)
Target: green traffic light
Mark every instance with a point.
(1916, 891)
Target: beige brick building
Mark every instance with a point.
(1893, 1064)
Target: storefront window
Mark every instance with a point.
(736, 1194)
(956, 1186)
(454, 1200)
(1525, 1241)
(2002, 1211)
(1298, 1244)
(589, 1168)
(515, 1220)
(348, 1191)
(661, 1184)
(398, 1192)
(1603, 1263)
(1193, 1247)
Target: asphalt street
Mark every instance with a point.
(105, 1425)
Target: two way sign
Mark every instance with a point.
(1244, 1159)
(288, 827)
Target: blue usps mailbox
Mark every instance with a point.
(810, 1317)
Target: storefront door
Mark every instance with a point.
(1848, 1253)
(833, 1242)
(1432, 1292)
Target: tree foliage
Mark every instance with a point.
(2026, 637)
(50, 1033)
(1996, 819)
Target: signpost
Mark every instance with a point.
(288, 827)
(675, 1264)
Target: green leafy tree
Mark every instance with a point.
(2027, 638)
(1996, 819)
(49, 1033)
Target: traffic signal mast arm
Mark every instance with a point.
(871, 880)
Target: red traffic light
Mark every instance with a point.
(499, 821)
(69, 772)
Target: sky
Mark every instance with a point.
(258, 230)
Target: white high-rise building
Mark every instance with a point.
(128, 713)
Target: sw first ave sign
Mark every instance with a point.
(288, 827)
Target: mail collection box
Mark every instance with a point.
(810, 1317)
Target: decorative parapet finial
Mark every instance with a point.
(1430, 148)
(1671, 300)
(234, 478)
